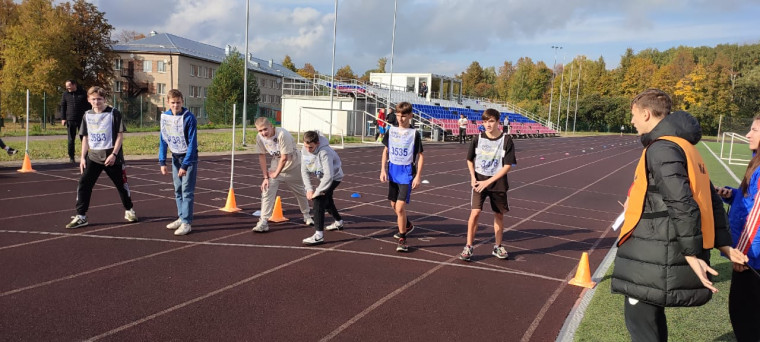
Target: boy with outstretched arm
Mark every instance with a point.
(102, 134)
(490, 157)
(401, 164)
(320, 160)
(180, 135)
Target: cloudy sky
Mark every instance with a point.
(443, 36)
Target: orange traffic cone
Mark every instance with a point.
(27, 165)
(583, 274)
(231, 205)
(277, 213)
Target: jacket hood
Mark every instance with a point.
(680, 124)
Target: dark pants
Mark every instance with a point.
(118, 175)
(462, 135)
(324, 203)
(645, 322)
(2, 145)
(73, 131)
(744, 306)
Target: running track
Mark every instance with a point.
(118, 281)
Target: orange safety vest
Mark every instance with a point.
(699, 182)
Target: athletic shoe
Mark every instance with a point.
(313, 240)
(12, 151)
(500, 252)
(183, 229)
(408, 230)
(71, 160)
(402, 247)
(261, 227)
(130, 215)
(337, 225)
(466, 253)
(307, 220)
(78, 221)
(174, 224)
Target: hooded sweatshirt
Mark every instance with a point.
(323, 163)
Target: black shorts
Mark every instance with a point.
(498, 200)
(399, 192)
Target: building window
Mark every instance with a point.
(190, 93)
(147, 66)
(195, 91)
(210, 72)
(205, 92)
(161, 66)
(117, 86)
(193, 70)
(161, 88)
(203, 72)
(117, 64)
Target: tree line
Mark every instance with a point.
(709, 82)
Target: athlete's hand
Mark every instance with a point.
(82, 165)
(163, 170)
(265, 185)
(416, 182)
(181, 172)
(701, 269)
(383, 177)
(309, 195)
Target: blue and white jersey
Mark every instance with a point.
(401, 154)
(173, 133)
(99, 130)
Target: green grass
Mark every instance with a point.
(604, 320)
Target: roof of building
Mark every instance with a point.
(171, 44)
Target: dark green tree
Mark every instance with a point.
(227, 88)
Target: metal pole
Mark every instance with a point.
(141, 111)
(44, 110)
(232, 163)
(577, 91)
(569, 98)
(26, 149)
(551, 93)
(393, 44)
(245, 74)
(332, 73)
(561, 84)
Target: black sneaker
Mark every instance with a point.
(77, 222)
(12, 151)
(402, 247)
(408, 230)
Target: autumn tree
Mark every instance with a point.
(345, 73)
(380, 69)
(307, 71)
(227, 88)
(37, 53)
(91, 45)
(288, 63)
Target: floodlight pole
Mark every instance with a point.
(561, 84)
(569, 97)
(393, 44)
(551, 96)
(245, 74)
(332, 73)
(577, 91)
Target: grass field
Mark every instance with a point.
(603, 320)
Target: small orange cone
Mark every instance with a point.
(277, 213)
(231, 205)
(27, 165)
(583, 274)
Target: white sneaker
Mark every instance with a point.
(175, 224)
(261, 227)
(337, 225)
(183, 229)
(313, 240)
(307, 220)
(130, 215)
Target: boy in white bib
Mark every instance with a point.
(102, 135)
(402, 162)
(490, 157)
(179, 134)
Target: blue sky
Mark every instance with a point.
(443, 36)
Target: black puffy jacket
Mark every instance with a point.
(650, 266)
(73, 105)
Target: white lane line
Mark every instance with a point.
(730, 172)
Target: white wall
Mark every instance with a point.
(301, 108)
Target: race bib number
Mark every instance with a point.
(173, 133)
(401, 145)
(99, 130)
(488, 155)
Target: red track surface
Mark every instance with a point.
(114, 280)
